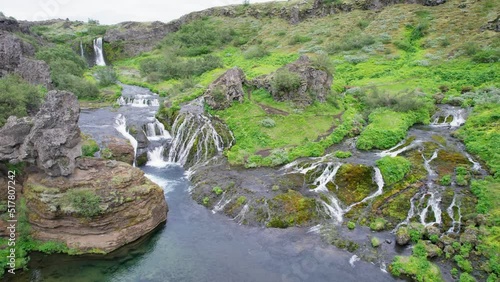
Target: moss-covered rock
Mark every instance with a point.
(402, 236)
(355, 183)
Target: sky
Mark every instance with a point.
(108, 11)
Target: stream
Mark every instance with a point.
(196, 244)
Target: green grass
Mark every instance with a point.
(393, 169)
(387, 128)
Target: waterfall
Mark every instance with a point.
(221, 204)
(353, 259)
(155, 157)
(195, 139)
(140, 101)
(156, 131)
(450, 116)
(121, 126)
(81, 50)
(455, 225)
(426, 205)
(99, 54)
(241, 215)
(332, 205)
(393, 152)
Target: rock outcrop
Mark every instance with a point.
(15, 56)
(119, 149)
(50, 140)
(102, 206)
(493, 25)
(314, 85)
(226, 89)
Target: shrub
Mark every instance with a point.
(18, 98)
(206, 201)
(89, 147)
(278, 157)
(378, 224)
(86, 202)
(106, 76)
(466, 277)
(393, 169)
(296, 39)
(351, 225)
(255, 52)
(217, 190)
(487, 56)
(355, 59)
(375, 242)
(324, 63)
(352, 41)
(463, 263)
(268, 123)
(285, 81)
(342, 154)
(173, 67)
(445, 180)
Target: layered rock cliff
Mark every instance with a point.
(102, 206)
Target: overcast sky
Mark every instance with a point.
(108, 11)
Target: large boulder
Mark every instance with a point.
(54, 141)
(314, 84)
(119, 149)
(226, 89)
(12, 136)
(102, 206)
(12, 49)
(402, 236)
(35, 72)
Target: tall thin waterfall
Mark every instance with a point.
(195, 139)
(99, 54)
(81, 50)
(121, 126)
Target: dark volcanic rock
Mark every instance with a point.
(226, 89)
(315, 84)
(12, 136)
(35, 72)
(54, 140)
(138, 37)
(493, 25)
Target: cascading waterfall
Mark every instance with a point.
(450, 117)
(156, 131)
(194, 139)
(427, 201)
(221, 204)
(140, 101)
(393, 152)
(121, 126)
(332, 206)
(81, 50)
(456, 220)
(240, 217)
(155, 157)
(99, 54)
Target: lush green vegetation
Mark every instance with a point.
(416, 266)
(85, 202)
(393, 169)
(67, 69)
(18, 98)
(481, 135)
(90, 146)
(387, 128)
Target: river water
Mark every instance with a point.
(196, 244)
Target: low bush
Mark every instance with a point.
(285, 81)
(85, 202)
(106, 76)
(17, 98)
(393, 169)
(255, 52)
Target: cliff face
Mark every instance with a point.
(16, 55)
(103, 205)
